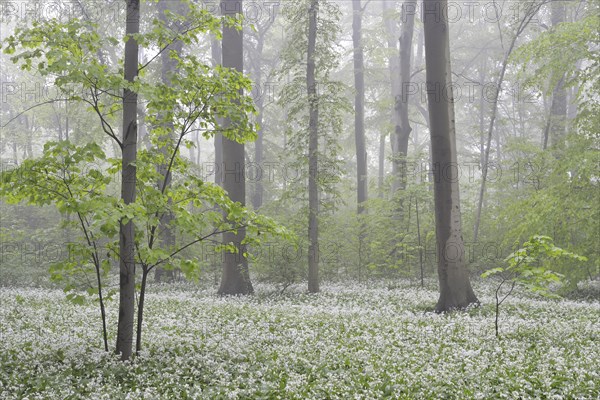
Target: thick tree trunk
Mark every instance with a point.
(455, 287)
(128, 189)
(359, 107)
(313, 158)
(235, 279)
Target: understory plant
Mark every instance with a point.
(528, 267)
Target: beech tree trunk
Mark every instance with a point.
(235, 279)
(313, 157)
(359, 107)
(128, 189)
(399, 65)
(558, 109)
(395, 85)
(168, 66)
(402, 126)
(217, 59)
(259, 100)
(455, 287)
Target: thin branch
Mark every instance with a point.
(31, 108)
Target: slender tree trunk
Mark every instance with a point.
(235, 279)
(359, 126)
(402, 127)
(313, 147)
(140, 315)
(419, 242)
(359, 107)
(395, 85)
(217, 59)
(529, 14)
(558, 109)
(168, 67)
(128, 189)
(455, 287)
(380, 177)
(482, 103)
(259, 101)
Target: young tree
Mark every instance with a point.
(530, 12)
(455, 287)
(168, 67)
(314, 104)
(313, 148)
(128, 189)
(235, 279)
(196, 94)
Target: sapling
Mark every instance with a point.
(525, 269)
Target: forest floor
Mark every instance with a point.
(349, 342)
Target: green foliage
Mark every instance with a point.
(63, 177)
(556, 52)
(331, 98)
(70, 56)
(525, 266)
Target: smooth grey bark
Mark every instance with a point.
(313, 147)
(259, 101)
(482, 103)
(530, 12)
(359, 126)
(454, 283)
(381, 167)
(168, 67)
(128, 190)
(402, 126)
(217, 59)
(235, 278)
(399, 65)
(558, 109)
(395, 83)
(359, 107)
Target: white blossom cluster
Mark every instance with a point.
(348, 342)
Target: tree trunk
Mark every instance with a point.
(217, 59)
(235, 279)
(128, 189)
(455, 287)
(394, 70)
(259, 100)
(380, 177)
(359, 126)
(168, 67)
(359, 107)
(558, 110)
(399, 66)
(313, 158)
(529, 14)
(402, 126)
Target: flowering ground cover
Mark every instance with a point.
(349, 342)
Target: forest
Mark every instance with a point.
(300, 199)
